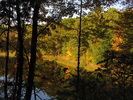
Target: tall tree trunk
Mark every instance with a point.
(20, 53)
(33, 54)
(20, 41)
(7, 57)
(79, 48)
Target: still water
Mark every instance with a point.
(48, 80)
(53, 81)
(39, 94)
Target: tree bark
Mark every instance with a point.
(20, 41)
(33, 54)
(20, 55)
(7, 57)
(79, 49)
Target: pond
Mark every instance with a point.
(53, 81)
(49, 76)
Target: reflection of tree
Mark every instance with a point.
(11, 74)
(55, 80)
(101, 86)
(90, 87)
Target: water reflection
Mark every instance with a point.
(54, 81)
(41, 95)
(47, 74)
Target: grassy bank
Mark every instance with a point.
(68, 62)
(61, 60)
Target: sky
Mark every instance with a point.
(118, 6)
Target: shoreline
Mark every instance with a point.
(61, 60)
(69, 62)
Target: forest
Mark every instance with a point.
(88, 57)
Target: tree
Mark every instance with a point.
(20, 53)
(97, 35)
(33, 46)
(117, 63)
(33, 53)
(124, 30)
(7, 48)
